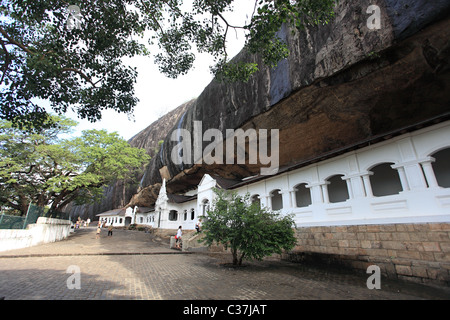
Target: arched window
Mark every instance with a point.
(277, 199)
(337, 189)
(173, 215)
(302, 195)
(255, 199)
(185, 215)
(192, 214)
(441, 167)
(385, 180)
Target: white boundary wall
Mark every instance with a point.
(45, 230)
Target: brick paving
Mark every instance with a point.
(139, 266)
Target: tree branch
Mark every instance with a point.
(11, 204)
(226, 32)
(84, 76)
(7, 61)
(12, 41)
(66, 201)
(151, 17)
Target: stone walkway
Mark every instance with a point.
(137, 265)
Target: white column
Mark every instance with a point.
(292, 200)
(410, 171)
(324, 187)
(415, 176)
(429, 173)
(315, 192)
(286, 198)
(358, 187)
(367, 185)
(268, 201)
(349, 188)
(402, 175)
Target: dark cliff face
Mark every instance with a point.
(342, 83)
(119, 193)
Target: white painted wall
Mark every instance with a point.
(45, 230)
(115, 220)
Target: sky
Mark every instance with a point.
(159, 94)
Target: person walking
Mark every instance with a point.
(98, 232)
(110, 229)
(179, 235)
(197, 227)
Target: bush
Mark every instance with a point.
(251, 232)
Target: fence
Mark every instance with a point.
(34, 212)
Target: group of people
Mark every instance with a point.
(177, 237)
(83, 223)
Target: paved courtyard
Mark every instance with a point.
(137, 265)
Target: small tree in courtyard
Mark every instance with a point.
(251, 232)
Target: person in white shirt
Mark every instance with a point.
(179, 235)
(197, 225)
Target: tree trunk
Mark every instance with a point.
(240, 259)
(23, 205)
(237, 261)
(235, 257)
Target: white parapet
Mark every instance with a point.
(45, 230)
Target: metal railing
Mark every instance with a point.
(33, 213)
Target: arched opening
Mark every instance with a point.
(173, 215)
(255, 199)
(277, 199)
(441, 167)
(337, 189)
(302, 195)
(385, 180)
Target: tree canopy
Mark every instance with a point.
(251, 232)
(71, 54)
(36, 166)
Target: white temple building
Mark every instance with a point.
(405, 179)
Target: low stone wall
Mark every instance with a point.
(43, 231)
(415, 252)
